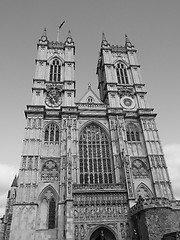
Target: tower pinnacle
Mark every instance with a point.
(128, 42)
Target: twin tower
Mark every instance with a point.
(93, 169)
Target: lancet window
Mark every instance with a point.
(55, 71)
(47, 211)
(122, 75)
(51, 134)
(132, 133)
(95, 158)
(52, 214)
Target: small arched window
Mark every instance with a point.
(55, 71)
(132, 133)
(122, 75)
(90, 99)
(51, 134)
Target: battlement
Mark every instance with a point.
(144, 204)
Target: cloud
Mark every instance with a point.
(172, 156)
(7, 174)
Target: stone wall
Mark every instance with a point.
(152, 220)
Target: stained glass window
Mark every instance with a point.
(55, 71)
(132, 133)
(51, 134)
(94, 155)
(122, 75)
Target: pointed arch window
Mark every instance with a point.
(47, 210)
(122, 75)
(132, 133)
(96, 165)
(51, 134)
(55, 71)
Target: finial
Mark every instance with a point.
(104, 41)
(128, 42)
(59, 27)
(14, 183)
(89, 85)
(69, 34)
(44, 33)
(103, 37)
(127, 39)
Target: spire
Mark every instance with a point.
(69, 40)
(103, 37)
(104, 42)
(14, 183)
(128, 42)
(69, 34)
(44, 36)
(44, 33)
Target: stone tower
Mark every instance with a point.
(85, 164)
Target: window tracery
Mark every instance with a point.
(49, 171)
(132, 133)
(51, 134)
(122, 75)
(55, 71)
(143, 191)
(139, 169)
(94, 155)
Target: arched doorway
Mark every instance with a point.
(102, 233)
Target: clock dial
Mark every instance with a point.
(53, 98)
(127, 102)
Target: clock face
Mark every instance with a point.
(127, 102)
(53, 98)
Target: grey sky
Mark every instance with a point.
(152, 26)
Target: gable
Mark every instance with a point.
(90, 97)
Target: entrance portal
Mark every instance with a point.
(102, 233)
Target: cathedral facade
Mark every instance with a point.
(92, 169)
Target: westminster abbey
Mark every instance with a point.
(93, 169)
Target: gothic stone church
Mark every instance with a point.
(93, 169)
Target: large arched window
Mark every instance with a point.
(95, 157)
(55, 71)
(51, 134)
(122, 75)
(132, 133)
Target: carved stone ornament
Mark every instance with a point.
(53, 97)
(126, 91)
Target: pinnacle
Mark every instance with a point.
(14, 183)
(44, 33)
(103, 37)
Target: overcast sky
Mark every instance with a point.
(152, 26)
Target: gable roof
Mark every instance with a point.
(90, 94)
